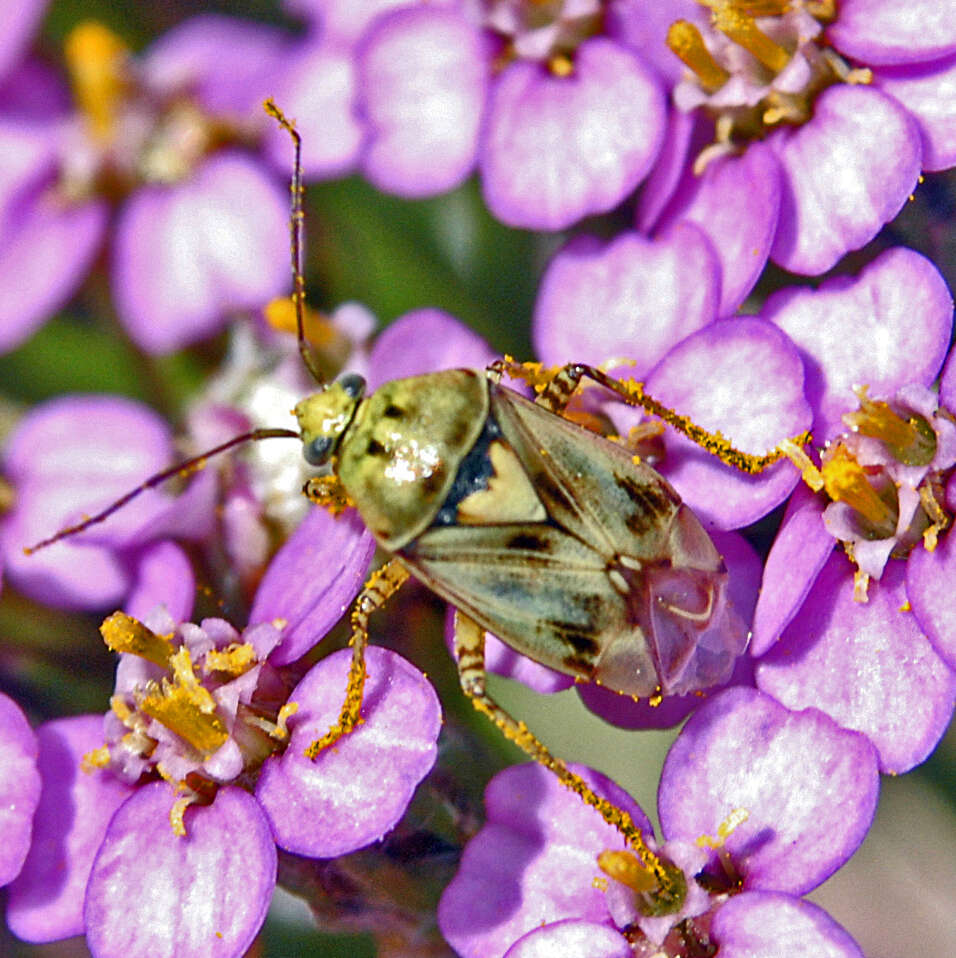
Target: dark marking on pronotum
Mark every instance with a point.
(393, 412)
(375, 448)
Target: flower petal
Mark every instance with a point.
(425, 341)
(422, 79)
(885, 329)
(928, 91)
(164, 575)
(798, 553)
(357, 790)
(312, 580)
(20, 22)
(533, 862)
(571, 937)
(19, 788)
(846, 173)
(768, 923)
(809, 788)
(555, 149)
(736, 203)
(46, 900)
(154, 894)
(884, 31)
(866, 664)
(739, 377)
(186, 255)
(633, 298)
(929, 585)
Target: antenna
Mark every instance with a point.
(296, 220)
(181, 469)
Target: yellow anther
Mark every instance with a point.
(98, 758)
(626, 868)
(911, 441)
(686, 42)
(743, 30)
(281, 730)
(561, 65)
(861, 585)
(235, 659)
(724, 830)
(846, 481)
(123, 633)
(796, 454)
(280, 314)
(177, 815)
(96, 59)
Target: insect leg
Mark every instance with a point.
(382, 584)
(328, 492)
(470, 651)
(555, 389)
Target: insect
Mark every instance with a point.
(550, 536)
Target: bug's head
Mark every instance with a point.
(324, 417)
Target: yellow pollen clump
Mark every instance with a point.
(123, 633)
(846, 481)
(235, 659)
(560, 65)
(96, 59)
(98, 758)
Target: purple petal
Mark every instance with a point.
(798, 553)
(633, 298)
(929, 585)
(846, 173)
(20, 22)
(947, 382)
(317, 87)
(665, 176)
(342, 20)
(163, 575)
(70, 457)
(422, 80)
(425, 341)
(230, 65)
(738, 376)
(887, 328)
(555, 149)
(153, 893)
(736, 203)
(312, 580)
(928, 91)
(19, 788)
(187, 255)
(768, 923)
(809, 788)
(357, 790)
(866, 664)
(885, 31)
(46, 900)
(43, 260)
(534, 862)
(745, 568)
(571, 938)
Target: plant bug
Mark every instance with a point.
(548, 535)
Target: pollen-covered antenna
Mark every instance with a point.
(181, 469)
(295, 229)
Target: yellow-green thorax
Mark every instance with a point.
(397, 452)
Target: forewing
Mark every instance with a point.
(544, 592)
(591, 487)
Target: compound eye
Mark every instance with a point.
(353, 385)
(318, 451)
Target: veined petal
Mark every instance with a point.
(19, 788)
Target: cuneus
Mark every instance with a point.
(555, 539)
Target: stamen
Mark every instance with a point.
(123, 633)
(96, 59)
(743, 30)
(561, 65)
(724, 830)
(626, 868)
(808, 470)
(910, 441)
(653, 898)
(686, 42)
(846, 481)
(186, 708)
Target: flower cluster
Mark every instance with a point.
(699, 204)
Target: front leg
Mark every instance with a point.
(381, 586)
